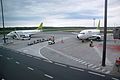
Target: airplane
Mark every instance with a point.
(24, 34)
(90, 34)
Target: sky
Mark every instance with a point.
(59, 13)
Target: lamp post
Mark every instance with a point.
(93, 22)
(105, 32)
(3, 21)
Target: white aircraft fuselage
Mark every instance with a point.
(22, 34)
(89, 34)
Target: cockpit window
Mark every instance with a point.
(82, 33)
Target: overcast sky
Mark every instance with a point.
(59, 13)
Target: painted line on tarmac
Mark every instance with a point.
(41, 54)
(48, 61)
(60, 64)
(37, 58)
(83, 62)
(114, 78)
(107, 72)
(103, 70)
(86, 64)
(94, 66)
(17, 62)
(30, 68)
(80, 61)
(96, 73)
(75, 59)
(90, 65)
(98, 68)
(76, 69)
(46, 75)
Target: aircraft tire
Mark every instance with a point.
(82, 41)
(77, 37)
(98, 38)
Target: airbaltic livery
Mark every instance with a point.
(24, 34)
(90, 34)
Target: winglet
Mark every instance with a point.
(98, 27)
(40, 26)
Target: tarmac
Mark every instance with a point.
(69, 50)
(29, 67)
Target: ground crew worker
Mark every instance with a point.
(117, 63)
(91, 43)
(53, 39)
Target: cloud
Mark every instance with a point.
(59, 12)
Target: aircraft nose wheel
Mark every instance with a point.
(82, 41)
(77, 37)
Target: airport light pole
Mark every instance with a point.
(93, 22)
(3, 21)
(105, 32)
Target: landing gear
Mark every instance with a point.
(77, 37)
(14, 37)
(98, 39)
(83, 41)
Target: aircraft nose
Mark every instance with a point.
(80, 36)
(8, 34)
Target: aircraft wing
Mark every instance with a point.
(75, 33)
